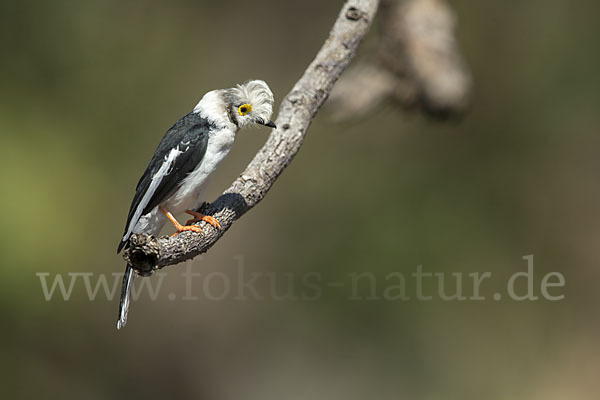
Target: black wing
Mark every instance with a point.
(190, 136)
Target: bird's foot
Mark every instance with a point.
(183, 228)
(201, 217)
(180, 228)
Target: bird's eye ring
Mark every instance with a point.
(244, 109)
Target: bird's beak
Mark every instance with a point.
(270, 124)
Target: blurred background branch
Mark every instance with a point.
(297, 111)
(416, 63)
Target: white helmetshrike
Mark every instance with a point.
(185, 158)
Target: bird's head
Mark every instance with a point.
(250, 103)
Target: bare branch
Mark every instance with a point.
(417, 62)
(296, 112)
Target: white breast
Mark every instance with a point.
(187, 196)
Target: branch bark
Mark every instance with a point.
(297, 111)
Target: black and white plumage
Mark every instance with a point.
(186, 157)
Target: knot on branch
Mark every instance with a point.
(354, 14)
(142, 254)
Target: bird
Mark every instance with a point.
(188, 154)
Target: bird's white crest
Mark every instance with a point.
(258, 94)
(221, 106)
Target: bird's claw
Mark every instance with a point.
(188, 227)
(201, 217)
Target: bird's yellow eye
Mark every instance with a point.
(245, 109)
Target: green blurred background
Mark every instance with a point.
(88, 89)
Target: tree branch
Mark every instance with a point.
(297, 111)
(417, 63)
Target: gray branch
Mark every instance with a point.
(297, 111)
(417, 63)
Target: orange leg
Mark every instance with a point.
(201, 217)
(180, 228)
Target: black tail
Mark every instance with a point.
(125, 296)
